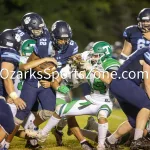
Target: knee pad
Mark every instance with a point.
(104, 111)
(103, 114)
(45, 114)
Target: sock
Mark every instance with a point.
(33, 142)
(52, 122)
(7, 144)
(112, 139)
(93, 124)
(2, 143)
(82, 141)
(62, 123)
(138, 134)
(102, 131)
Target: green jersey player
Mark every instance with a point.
(97, 103)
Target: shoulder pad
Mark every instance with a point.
(73, 46)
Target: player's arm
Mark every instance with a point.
(146, 71)
(33, 57)
(56, 83)
(33, 63)
(106, 77)
(126, 51)
(7, 74)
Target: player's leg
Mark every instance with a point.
(103, 113)
(29, 95)
(91, 124)
(47, 99)
(6, 120)
(138, 100)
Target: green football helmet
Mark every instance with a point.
(101, 51)
(27, 47)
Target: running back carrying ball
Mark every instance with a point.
(49, 67)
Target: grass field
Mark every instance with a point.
(70, 142)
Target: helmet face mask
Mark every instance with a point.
(61, 35)
(37, 32)
(144, 20)
(101, 51)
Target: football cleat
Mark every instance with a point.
(87, 146)
(36, 134)
(89, 122)
(33, 144)
(110, 146)
(141, 143)
(101, 147)
(58, 135)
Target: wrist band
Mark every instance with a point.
(13, 95)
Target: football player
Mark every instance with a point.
(9, 47)
(134, 71)
(62, 48)
(97, 103)
(136, 36)
(34, 25)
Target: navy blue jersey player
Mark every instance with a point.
(34, 25)
(61, 47)
(137, 36)
(9, 60)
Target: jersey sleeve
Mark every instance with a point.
(24, 35)
(111, 65)
(74, 47)
(10, 55)
(127, 34)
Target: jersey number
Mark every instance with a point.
(43, 41)
(142, 43)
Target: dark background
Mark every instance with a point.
(91, 20)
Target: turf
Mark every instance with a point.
(70, 142)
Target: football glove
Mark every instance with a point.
(63, 89)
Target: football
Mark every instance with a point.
(48, 66)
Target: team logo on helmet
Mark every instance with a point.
(17, 37)
(27, 20)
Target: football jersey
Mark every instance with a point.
(133, 35)
(12, 56)
(24, 35)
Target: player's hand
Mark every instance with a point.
(146, 35)
(9, 100)
(45, 84)
(63, 89)
(50, 59)
(86, 66)
(20, 104)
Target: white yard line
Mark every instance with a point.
(118, 117)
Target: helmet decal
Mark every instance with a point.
(27, 20)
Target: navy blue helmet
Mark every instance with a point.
(33, 24)
(61, 35)
(144, 20)
(10, 38)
